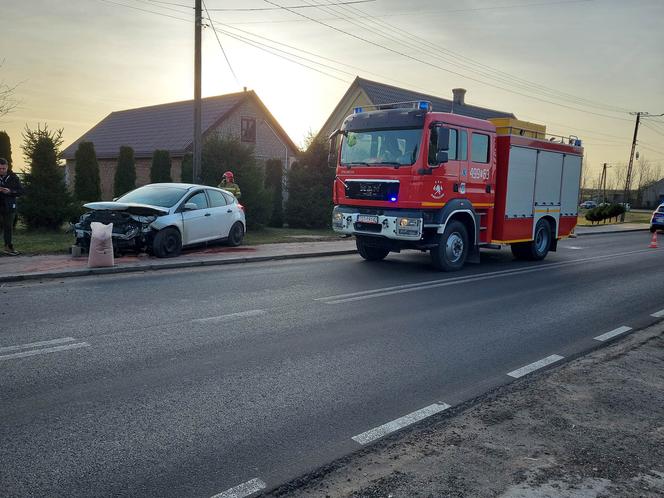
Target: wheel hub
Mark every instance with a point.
(454, 247)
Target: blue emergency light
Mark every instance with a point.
(357, 109)
(393, 199)
(423, 105)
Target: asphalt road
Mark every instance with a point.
(193, 382)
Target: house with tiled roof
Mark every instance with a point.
(363, 93)
(170, 127)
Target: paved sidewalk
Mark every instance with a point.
(18, 268)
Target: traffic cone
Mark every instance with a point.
(653, 241)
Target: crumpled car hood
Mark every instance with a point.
(132, 208)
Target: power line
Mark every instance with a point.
(388, 31)
(652, 128)
(220, 45)
(421, 61)
(145, 10)
(259, 9)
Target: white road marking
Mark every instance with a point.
(400, 423)
(230, 316)
(400, 289)
(36, 344)
(242, 490)
(658, 314)
(573, 247)
(34, 352)
(613, 333)
(520, 372)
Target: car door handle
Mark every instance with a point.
(229, 211)
(208, 214)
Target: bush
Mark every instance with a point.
(6, 147)
(222, 154)
(46, 203)
(604, 212)
(160, 170)
(310, 188)
(86, 182)
(274, 182)
(187, 172)
(125, 173)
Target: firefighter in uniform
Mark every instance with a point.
(228, 183)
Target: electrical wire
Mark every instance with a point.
(258, 9)
(388, 30)
(230, 66)
(421, 61)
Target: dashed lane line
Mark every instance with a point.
(30, 345)
(520, 372)
(400, 423)
(34, 352)
(613, 333)
(229, 316)
(658, 314)
(243, 490)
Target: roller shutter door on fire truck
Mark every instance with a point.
(534, 182)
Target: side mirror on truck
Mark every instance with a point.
(332, 154)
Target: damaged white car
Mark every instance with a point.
(162, 218)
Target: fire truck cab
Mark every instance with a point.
(410, 178)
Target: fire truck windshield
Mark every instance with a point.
(393, 147)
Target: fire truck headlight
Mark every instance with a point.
(409, 226)
(338, 219)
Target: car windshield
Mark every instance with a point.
(162, 196)
(397, 147)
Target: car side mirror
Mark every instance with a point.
(190, 206)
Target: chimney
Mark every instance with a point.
(458, 95)
(245, 89)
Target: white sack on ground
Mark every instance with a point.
(101, 245)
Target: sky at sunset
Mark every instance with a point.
(579, 67)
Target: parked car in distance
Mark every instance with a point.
(588, 205)
(162, 218)
(657, 220)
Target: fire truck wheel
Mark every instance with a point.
(539, 247)
(452, 248)
(371, 253)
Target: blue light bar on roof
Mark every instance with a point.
(424, 105)
(357, 109)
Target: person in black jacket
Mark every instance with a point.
(10, 188)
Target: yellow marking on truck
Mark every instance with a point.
(483, 205)
(510, 241)
(547, 210)
(433, 204)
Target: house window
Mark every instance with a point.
(248, 131)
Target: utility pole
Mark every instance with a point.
(603, 183)
(628, 180)
(198, 17)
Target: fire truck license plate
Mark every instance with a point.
(365, 218)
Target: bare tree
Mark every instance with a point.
(7, 100)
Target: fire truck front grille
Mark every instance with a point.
(368, 227)
(374, 191)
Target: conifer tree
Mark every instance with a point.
(87, 186)
(160, 171)
(125, 173)
(46, 202)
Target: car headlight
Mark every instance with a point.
(409, 222)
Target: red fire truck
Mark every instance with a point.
(410, 178)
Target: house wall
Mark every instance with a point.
(357, 98)
(107, 169)
(653, 195)
(268, 144)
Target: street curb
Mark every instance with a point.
(613, 231)
(166, 266)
